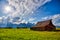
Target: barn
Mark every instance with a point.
(44, 26)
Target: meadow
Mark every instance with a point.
(27, 34)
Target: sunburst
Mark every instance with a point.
(7, 9)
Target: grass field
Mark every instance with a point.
(27, 34)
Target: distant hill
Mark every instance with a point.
(58, 26)
(9, 24)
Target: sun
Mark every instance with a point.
(7, 9)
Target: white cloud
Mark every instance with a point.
(23, 21)
(22, 8)
(0, 19)
(15, 21)
(31, 19)
(19, 21)
(44, 18)
(56, 20)
(57, 24)
(54, 17)
(51, 17)
(3, 19)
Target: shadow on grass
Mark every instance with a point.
(57, 30)
(47, 30)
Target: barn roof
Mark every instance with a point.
(44, 23)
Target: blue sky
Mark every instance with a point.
(49, 10)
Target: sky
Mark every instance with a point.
(23, 11)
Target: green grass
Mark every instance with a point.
(27, 34)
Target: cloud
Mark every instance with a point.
(31, 19)
(44, 18)
(23, 8)
(57, 24)
(18, 21)
(3, 19)
(23, 21)
(0, 19)
(55, 18)
(51, 17)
